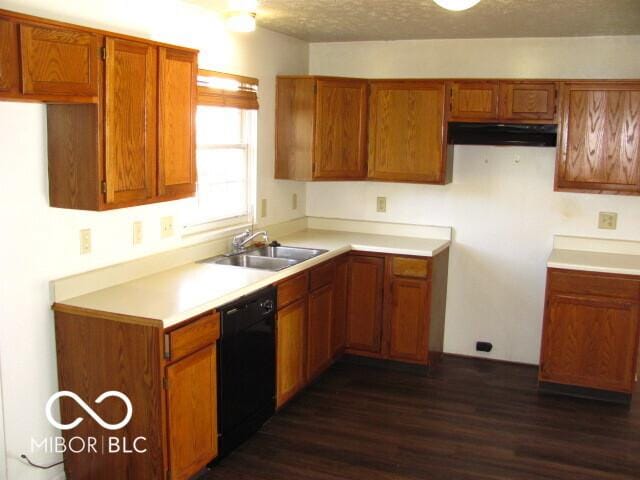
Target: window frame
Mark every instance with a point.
(224, 226)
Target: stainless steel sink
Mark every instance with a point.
(267, 258)
(296, 253)
(251, 261)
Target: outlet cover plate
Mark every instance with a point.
(166, 227)
(85, 241)
(608, 220)
(381, 204)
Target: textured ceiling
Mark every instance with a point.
(352, 20)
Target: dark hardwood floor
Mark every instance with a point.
(468, 419)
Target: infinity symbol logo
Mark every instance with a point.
(89, 410)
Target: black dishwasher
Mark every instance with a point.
(246, 367)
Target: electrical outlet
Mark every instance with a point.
(294, 201)
(137, 233)
(85, 241)
(608, 220)
(381, 204)
(166, 227)
(263, 208)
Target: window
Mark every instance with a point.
(225, 155)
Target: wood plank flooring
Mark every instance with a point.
(467, 420)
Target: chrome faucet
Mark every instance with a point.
(239, 241)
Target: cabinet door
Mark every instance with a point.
(527, 101)
(590, 342)
(59, 61)
(290, 350)
(364, 303)
(474, 101)
(192, 413)
(340, 129)
(408, 320)
(600, 146)
(9, 64)
(319, 330)
(130, 136)
(176, 109)
(339, 320)
(407, 131)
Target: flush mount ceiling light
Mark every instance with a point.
(457, 5)
(241, 15)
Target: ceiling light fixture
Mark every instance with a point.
(241, 15)
(457, 5)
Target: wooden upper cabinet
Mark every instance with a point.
(474, 100)
(599, 149)
(59, 62)
(521, 101)
(364, 303)
(407, 131)
(192, 406)
(340, 136)
(9, 62)
(320, 128)
(130, 123)
(176, 122)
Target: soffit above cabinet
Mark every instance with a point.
(356, 20)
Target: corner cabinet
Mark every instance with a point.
(137, 144)
(321, 128)
(591, 332)
(120, 110)
(169, 375)
(599, 146)
(396, 307)
(407, 132)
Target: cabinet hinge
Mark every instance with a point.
(104, 186)
(168, 475)
(167, 346)
(103, 53)
(165, 383)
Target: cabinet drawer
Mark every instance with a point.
(292, 289)
(410, 267)
(594, 285)
(322, 275)
(192, 337)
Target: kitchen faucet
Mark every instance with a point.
(239, 241)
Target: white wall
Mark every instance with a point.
(501, 202)
(39, 243)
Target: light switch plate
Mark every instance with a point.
(608, 220)
(137, 233)
(166, 227)
(381, 204)
(294, 201)
(85, 241)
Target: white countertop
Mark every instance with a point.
(588, 254)
(587, 261)
(178, 294)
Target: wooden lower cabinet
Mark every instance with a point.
(364, 303)
(590, 339)
(408, 320)
(339, 320)
(169, 377)
(319, 330)
(192, 413)
(396, 307)
(290, 350)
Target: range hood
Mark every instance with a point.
(502, 134)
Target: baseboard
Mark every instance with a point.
(584, 392)
(495, 360)
(384, 363)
